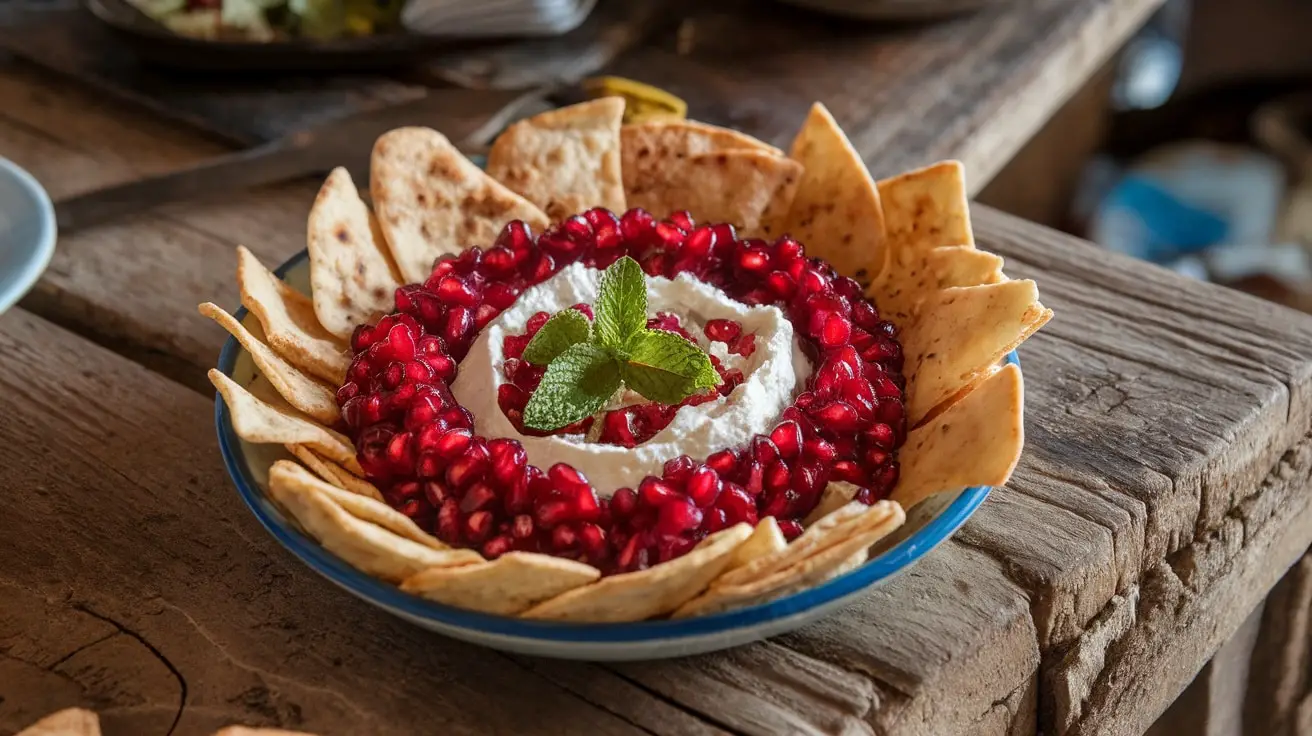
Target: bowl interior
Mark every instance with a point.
(928, 525)
(27, 232)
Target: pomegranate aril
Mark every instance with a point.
(522, 527)
(837, 416)
(592, 539)
(787, 437)
(508, 459)
(722, 330)
(704, 486)
(497, 546)
(448, 522)
(679, 469)
(738, 506)
(791, 529)
(656, 492)
(623, 503)
(723, 462)
(478, 526)
(480, 496)
(563, 538)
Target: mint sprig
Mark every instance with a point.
(588, 362)
(565, 329)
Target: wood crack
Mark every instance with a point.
(177, 674)
(658, 695)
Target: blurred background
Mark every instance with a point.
(1191, 148)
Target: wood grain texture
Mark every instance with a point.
(1168, 464)
(973, 88)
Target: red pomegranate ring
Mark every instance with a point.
(417, 443)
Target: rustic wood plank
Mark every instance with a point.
(974, 88)
(1282, 657)
(177, 606)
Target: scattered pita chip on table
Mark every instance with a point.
(846, 550)
(334, 473)
(352, 277)
(67, 722)
(975, 442)
(961, 336)
(565, 161)
(431, 200)
(836, 213)
(508, 585)
(364, 545)
(301, 391)
(750, 189)
(262, 424)
(658, 590)
(290, 325)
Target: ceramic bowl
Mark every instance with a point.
(928, 525)
(27, 232)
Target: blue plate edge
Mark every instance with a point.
(48, 236)
(895, 560)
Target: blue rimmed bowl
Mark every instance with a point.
(27, 232)
(928, 525)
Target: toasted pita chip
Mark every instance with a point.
(368, 509)
(767, 539)
(650, 144)
(750, 189)
(566, 160)
(923, 210)
(960, 336)
(928, 207)
(975, 442)
(845, 554)
(67, 722)
(835, 496)
(655, 591)
(300, 390)
(364, 545)
(334, 473)
(823, 532)
(432, 201)
(287, 317)
(836, 213)
(352, 277)
(961, 265)
(262, 424)
(508, 585)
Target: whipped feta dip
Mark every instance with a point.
(772, 375)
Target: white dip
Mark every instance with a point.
(772, 376)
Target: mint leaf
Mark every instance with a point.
(565, 328)
(621, 306)
(577, 383)
(666, 367)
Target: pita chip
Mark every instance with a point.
(432, 201)
(648, 145)
(750, 189)
(836, 213)
(961, 335)
(364, 545)
(301, 391)
(368, 509)
(508, 585)
(564, 161)
(262, 424)
(975, 442)
(352, 277)
(828, 530)
(767, 539)
(846, 552)
(658, 590)
(67, 722)
(835, 496)
(290, 325)
(334, 473)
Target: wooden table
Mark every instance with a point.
(1164, 488)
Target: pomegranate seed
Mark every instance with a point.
(563, 538)
(478, 497)
(497, 546)
(704, 486)
(623, 503)
(791, 529)
(656, 492)
(723, 330)
(787, 437)
(478, 526)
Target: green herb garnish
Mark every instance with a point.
(587, 362)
